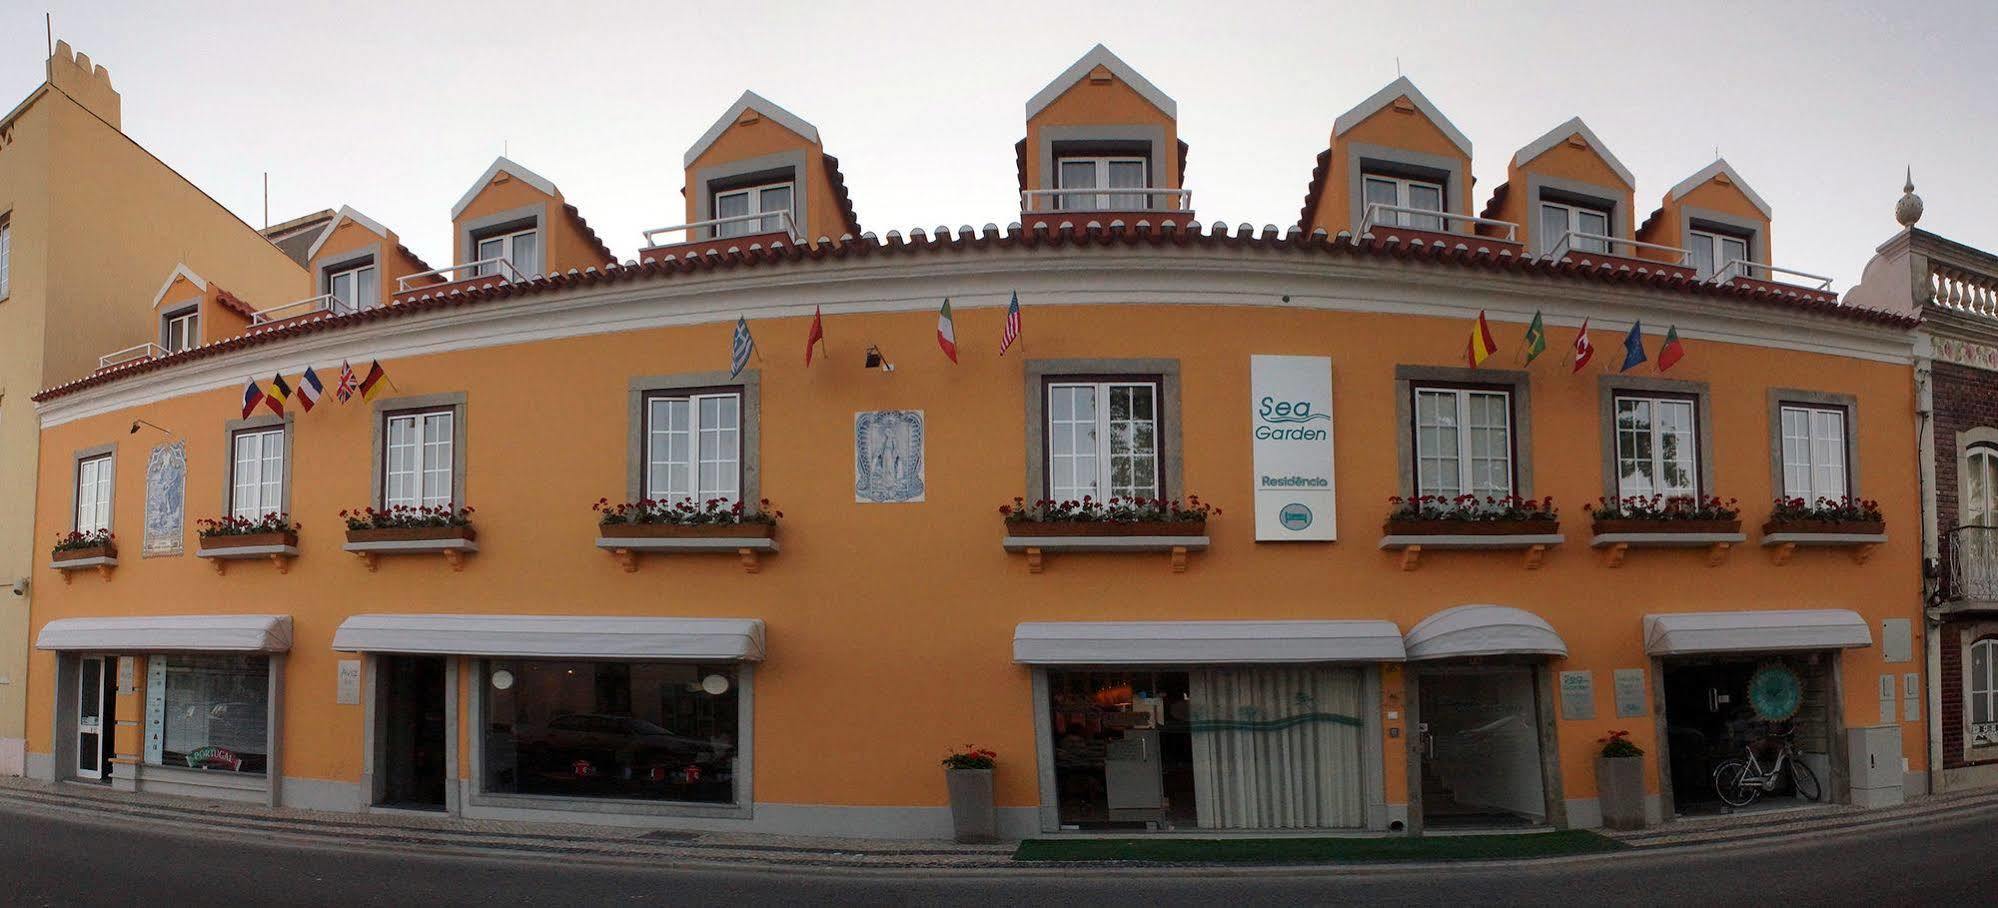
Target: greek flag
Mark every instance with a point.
(739, 347)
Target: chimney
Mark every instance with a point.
(90, 85)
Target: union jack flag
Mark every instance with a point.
(348, 383)
(1012, 324)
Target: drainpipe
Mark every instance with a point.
(1925, 455)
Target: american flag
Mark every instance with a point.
(347, 385)
(1012, 324)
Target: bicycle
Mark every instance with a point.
(1741, 781)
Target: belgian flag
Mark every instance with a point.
(279, 393)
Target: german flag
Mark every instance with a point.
(372, 385)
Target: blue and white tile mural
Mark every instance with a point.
(888, 456)
(166, 499)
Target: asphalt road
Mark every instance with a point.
(58, 859)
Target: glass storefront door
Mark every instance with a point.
(93, 718)
(1480, 747)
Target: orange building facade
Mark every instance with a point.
(1298, 660)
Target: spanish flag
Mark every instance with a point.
(1481, 346)
(280, 392)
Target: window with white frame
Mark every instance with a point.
(1103, 440)
(181, 329)
(1983, 685)
(693, 446)
(1396, 192)
(1657, 448)
(1463, 442)
(256, 474)
(1714, 252)
(1979, 487)
(1558, 219)
(417, 468)
(1103, 173)
(520, 249)
(359, 287)
(6, 254)
(771, 199)
(93, 494)
(1814, 452)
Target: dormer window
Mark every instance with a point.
(1103, 173)
(1391, 192)
(520, 249)
(1715, 252)
(358, 285)
(181, 329)
(1560, 218)
(767, 199)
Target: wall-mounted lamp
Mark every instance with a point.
(140, 422)
(877, 361)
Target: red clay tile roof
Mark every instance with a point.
(1461, 255)
(1309, 212)
(838, 180)
(1497, 201)
(576, 218)
(233, 303)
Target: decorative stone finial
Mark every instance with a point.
(1909, 209)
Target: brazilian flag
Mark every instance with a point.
(1536, 338)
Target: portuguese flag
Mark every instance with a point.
(1673, 351)
(947, 332)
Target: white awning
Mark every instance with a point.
(1743, 632)
(1483, 630)
(170, 634)
(1204, 642)
(554, 636)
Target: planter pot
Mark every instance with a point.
(1538, 527)
(1625, 525)
(1620, 791)
(107, 550)
(681, 531)
(249, 540)
(1869, 527)
(411, 534)
(1105, 528)
(972, 817)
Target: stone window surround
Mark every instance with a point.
(1407, 378)
(76, 460)
(513, 220)
(748, 172)
(200, 324)
(1363, 159)
(749, 384)
(390, 406)
(1611, 386)
(1165, 370)
(1691, 218)
(1608, 198)
(229, 431)
(1980, 437)
(1970, 636)
(370, 254)
(1151, 136)
(1780, 396)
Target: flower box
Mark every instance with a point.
(1106, 528)
(412, 534)
(248, 540)
(107, 550)
(1605, 527)
(1826, 527)
(1409, 527)
(746, 530)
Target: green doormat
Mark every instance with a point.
(1320, 850)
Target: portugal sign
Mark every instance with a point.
(1290, 408)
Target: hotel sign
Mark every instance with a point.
(1290, 410)
(1965, 353)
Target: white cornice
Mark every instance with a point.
(1085, 278)
(1718, 167)
(520, 173)
(346, 214)
(750, 101)
(1101, 56)
(1401, 87)
(1560, 134)
(179, 271)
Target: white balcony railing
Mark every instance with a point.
(1137, 198)
(778, 221)
(1415, 218)
(1970, 557)
(497, 266)
(145, 351)
(325, 302)
(1764, 272)
(1565, 244)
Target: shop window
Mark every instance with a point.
(520, 248)
(1983, 684)
(1657, 448)
(418, 464)
(693, 446)
(256, 476)
(1814, 452)
(1463, 441)
(1103, 440)
(211, 713)
(648, 731)
(772, 199)
(93, 494)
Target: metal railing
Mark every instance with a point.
(145, 351)
(1970, 565)
(325, 302)
(1745, 268)
(1565, 245)
(782, 219)
(1110, 199)
(1373, 219)
(496, 265)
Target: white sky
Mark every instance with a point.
(396, 107)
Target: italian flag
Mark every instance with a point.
(946, 332)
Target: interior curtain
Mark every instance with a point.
(1277, 748)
